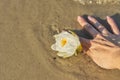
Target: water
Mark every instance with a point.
(98, 1)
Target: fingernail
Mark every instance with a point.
(90, 18)
(108, 17)
(79, 17)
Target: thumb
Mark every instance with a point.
(85, 43)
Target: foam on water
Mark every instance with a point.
(98, 1)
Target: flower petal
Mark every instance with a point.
(70, 43)
(64, 54)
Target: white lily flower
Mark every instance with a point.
(66, 44)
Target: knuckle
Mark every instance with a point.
(99, 36)
(88, 27)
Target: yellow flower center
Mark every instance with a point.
(63, 42)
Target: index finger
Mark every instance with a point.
(87, 26)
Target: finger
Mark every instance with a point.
(85, 43)
(113, 25)
(87, 26)
(99, 26)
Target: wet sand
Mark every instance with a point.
(26, 34)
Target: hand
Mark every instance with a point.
(104, 47)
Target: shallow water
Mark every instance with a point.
(26, 34)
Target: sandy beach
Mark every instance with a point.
(26, 35)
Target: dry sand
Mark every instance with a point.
(26, 30)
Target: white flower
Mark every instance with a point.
(66, 44)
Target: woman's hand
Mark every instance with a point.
(104, 47)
